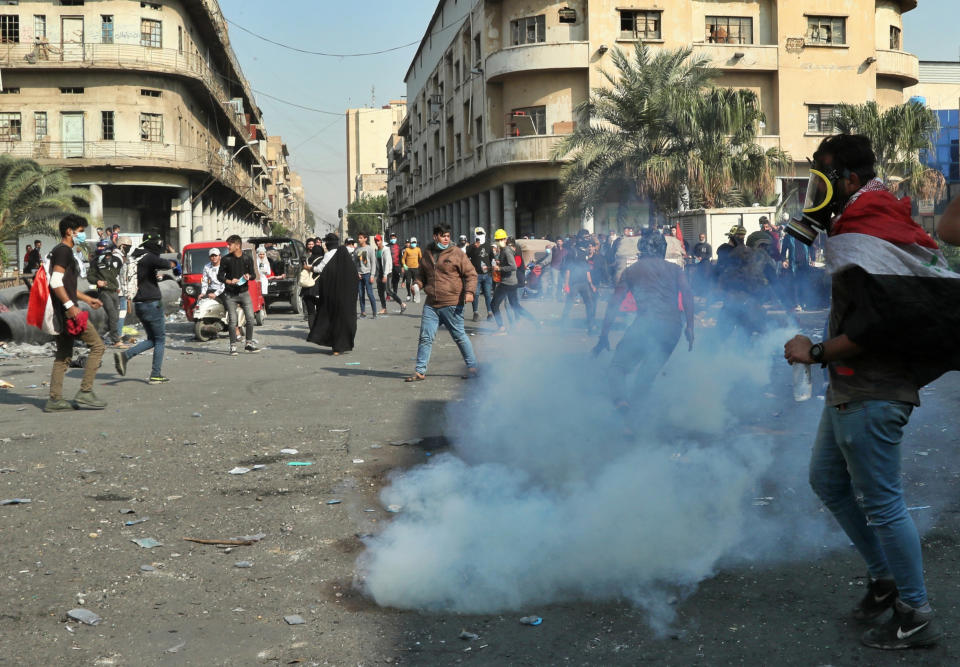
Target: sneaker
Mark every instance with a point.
(89, 400)
(416, 294)
(250, 347)
(158, 379)
(880, 596)
(907, 628)
(476, 317)
(798, 309)
(58, 405)
(233, 349)
(363, 314)
(489, 316)
(403, 308)
(120, 361)
(408, 297)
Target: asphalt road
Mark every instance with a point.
(164, 452)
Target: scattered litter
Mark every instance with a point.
(370, 510)
(352, 363)
(376, 446)
(763, 500)
(239, 470)
(412, 441)
(196, 414)
(358, 461)
(919, 507)
(20, 409)
(233, 541)
(294, 619)
(84, 616)
(339, 430)
(334, 502)
(174, 649)
(5, 385)
(146, 542)
(31, 386)
(259, 466)
(468, 636)
(136, 521)
(924, 453)
(429, 453)
(289, 451)
(147, 568)
(531, 620)
(243, 564)
(299, 463)
(15, 501)
(250, 538)
(3, 470)
(393, 509)
(127, 510)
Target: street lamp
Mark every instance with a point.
(232, 141)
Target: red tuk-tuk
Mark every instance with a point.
(195, 257)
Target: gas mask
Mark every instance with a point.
(824, 200)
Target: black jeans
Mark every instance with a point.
(589, 302)
(384, 289)
(508, 292)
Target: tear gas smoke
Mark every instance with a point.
(547, 497)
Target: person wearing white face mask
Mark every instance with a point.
(411, 269)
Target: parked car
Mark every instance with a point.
(286, 256)
(195, 257)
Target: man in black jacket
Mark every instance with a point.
(236, 271)
(480, 255)
(105, 274)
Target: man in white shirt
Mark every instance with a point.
(210, 285)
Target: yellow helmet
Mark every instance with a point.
(500, 235)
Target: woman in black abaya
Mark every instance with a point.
(309, 294)
(335, 324)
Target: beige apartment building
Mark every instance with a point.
(494, 84)
(367, 130)
(285, 197)
(144, 103)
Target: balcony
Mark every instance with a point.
(539, 57)
(899, 65)
(521, 150)
(739, 57)
(26, 57)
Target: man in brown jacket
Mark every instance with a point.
(449, 280)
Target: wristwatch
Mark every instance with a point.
(816, 353)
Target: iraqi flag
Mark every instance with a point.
(909, 303)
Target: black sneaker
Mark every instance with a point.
(880, 596)
(907, 628)
(120, 362)
(476, 317)
(250, 347)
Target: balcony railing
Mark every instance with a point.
(898, 64)
(535, 148)
(124, 56)
(72, 154)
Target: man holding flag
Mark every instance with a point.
(887, 278)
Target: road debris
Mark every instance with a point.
(146, 542)
(294, 619)
(134, 522)
(919, 507)
(393, 509)
(84, 616)
(531, 620)
(243, 564)
(175, 649)
(412, 442)
(232, 542)
(5, 385)
(15, 501)
(299, 463)
(289, 451)
(335, 501)
(239, 470)
(147, 568)
(468, 636)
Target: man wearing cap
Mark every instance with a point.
(480, 255)
(411, 269)
(105, 274)
(210, 285)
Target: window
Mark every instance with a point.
(106, 29)
(478, 130)
(40, 26)
(147, 92)
(528, 120)
(151, 33)
(71, 3)
(476, 50)
(529, 30)
(151, 127)
(458, 143)
(729, 30)
(73, 90)
(179, 39)
(820, 118)
(826, 30)
(9, 29)
(10, 126)
(10, 91)
(107, 126)
(40, 125)
(640, 24)
(895, 38)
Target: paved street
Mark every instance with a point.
(165, 452)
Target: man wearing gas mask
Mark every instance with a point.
(855, 467)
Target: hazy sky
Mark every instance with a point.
(317, 141)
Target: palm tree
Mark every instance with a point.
(662, 130)
(33, 197)
(899, 135)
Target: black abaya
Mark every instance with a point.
(335, 324)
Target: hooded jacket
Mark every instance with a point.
(446, 276)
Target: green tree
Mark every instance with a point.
(661, 130)
(277, 229)
(370, 224)
(899, 134)
(33, 197)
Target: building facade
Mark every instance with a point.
(367, 130)
(144, 103)
(495, 83)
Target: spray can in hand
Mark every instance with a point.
(802, 382)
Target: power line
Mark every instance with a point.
(299, 106)
(332, 55)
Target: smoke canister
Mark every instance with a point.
(802, 383)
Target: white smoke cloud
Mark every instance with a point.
(549, 494)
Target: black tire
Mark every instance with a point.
(203, 332)
(259, 315)
(296, 301)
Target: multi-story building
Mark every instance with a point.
(367, 130)
(144, 103)
(285, 189)
(494, 85)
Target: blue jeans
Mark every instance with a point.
(452, 317)
(364, 285)
(150, 314)
(120, 319)
(855, 471)
(484, 287)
